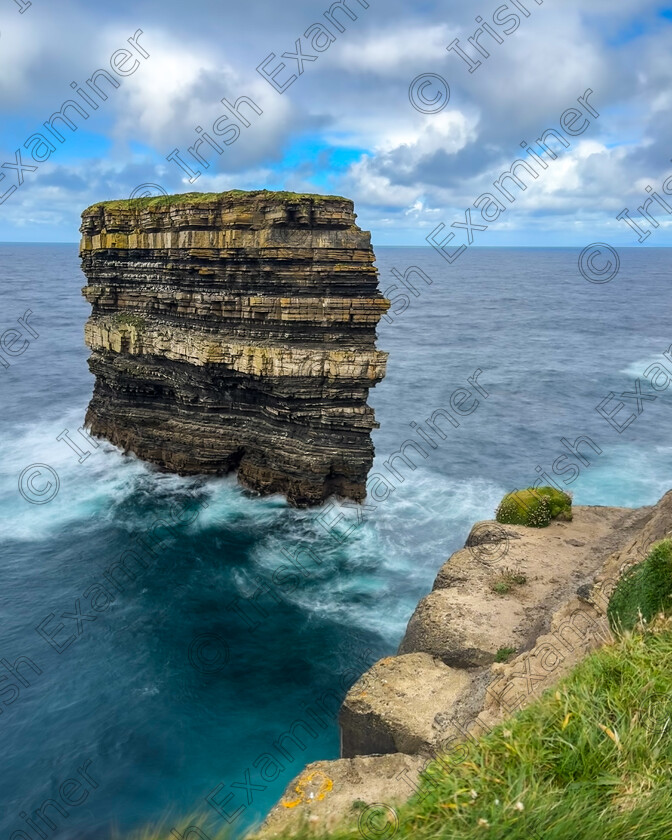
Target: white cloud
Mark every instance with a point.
(391, 52)
(416, 167)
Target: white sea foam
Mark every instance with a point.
(86, 491)
(391, 558)
(636, 369)
(93, 491)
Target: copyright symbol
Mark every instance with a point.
(488, 542)
(378, 822)
(421, 100)
(39, 484)
(147, 190)
(208, 653)
(601, 271)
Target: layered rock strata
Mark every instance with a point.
(445, 684)
(236, 331)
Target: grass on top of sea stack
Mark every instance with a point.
(591, 758)
(152, 202)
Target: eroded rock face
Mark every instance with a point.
(354, 793)
(236, 331)
(465, 620)
(444, 685)
(392, 707)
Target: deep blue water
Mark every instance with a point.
(123, 694)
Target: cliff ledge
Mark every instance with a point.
(475, 651)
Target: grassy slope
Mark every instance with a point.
(644, 590)
(592, 758)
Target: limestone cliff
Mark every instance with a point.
(446, 683)
(236, 331)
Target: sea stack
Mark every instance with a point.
(236, 331)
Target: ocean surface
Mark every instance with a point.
(171, 695)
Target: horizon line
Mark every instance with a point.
(429, 247)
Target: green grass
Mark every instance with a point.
(506, 580)
(156, 202)
(534, 507)
(591, 758)
(504, 653)
(644, 589)
(129, 320)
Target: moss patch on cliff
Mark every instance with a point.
(128, 319)
(534, 507)
(645, 589)
(504, 654)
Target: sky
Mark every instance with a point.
(375, 108)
